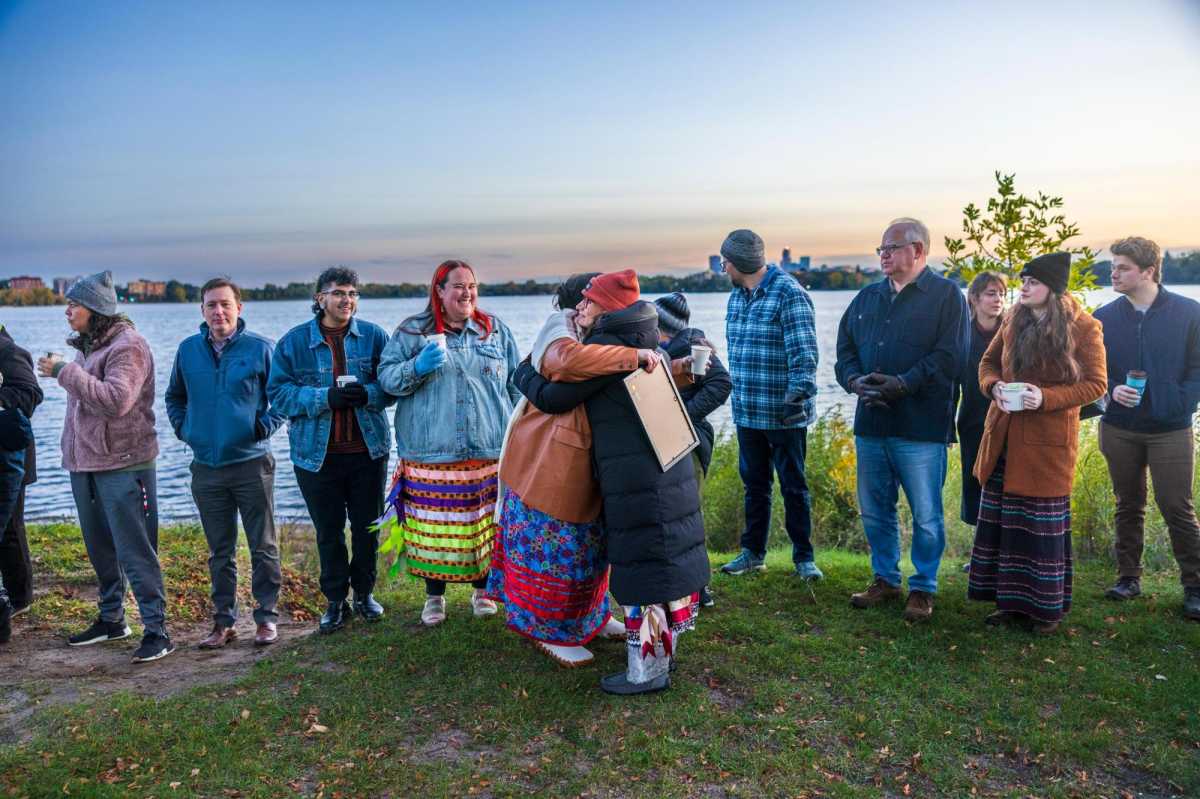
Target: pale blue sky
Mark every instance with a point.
(270, 139)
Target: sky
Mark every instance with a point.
(267, 140)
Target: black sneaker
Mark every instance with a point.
(619, 685)
(99, 632)
(6, 615)
(1126, 588)
(154, 646)
(706, 598)
(1191, 603)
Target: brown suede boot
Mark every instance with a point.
(878, 591)
(919, 606)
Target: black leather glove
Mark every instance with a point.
(793, 408)
(15, 432)
(868, 393)
(351, 396)
(889, 387)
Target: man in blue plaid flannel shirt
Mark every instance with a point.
(772, 337)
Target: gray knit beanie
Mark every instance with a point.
(673, 313)
(744, 249)
(96, 293)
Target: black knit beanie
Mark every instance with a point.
(1053, 269)
(673, 313)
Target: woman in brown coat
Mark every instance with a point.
(1022, 554)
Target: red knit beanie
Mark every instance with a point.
(613, 291)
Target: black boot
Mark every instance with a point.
(1126, 588)
(366, 607)
(6, 610)
(1191, 603)
(335, 617)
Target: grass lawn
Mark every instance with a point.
(779, 692)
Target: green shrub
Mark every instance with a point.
(830, 470)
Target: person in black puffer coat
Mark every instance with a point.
(709, 391)
(653, 528)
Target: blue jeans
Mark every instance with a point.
(785, 450)
(884, 464)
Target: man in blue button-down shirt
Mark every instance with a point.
(900, 344)
(773, 362)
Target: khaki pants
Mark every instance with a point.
(1170, 459)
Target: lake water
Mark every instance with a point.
(164, 326)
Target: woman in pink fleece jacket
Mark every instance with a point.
(109, 446)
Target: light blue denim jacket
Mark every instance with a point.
(460, 410)
(301, 376)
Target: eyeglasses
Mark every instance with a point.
(338, 294)
(888, 249)
(725, 265)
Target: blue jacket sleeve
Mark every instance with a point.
(848, 366)
(377, 397)
(287, 396)
(397, 374)
(800, 342)
(176, 397)
(268, 415)
(512, 355)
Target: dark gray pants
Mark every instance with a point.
(221, 494)
(118, 513)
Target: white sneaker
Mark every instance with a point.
(434, 612)
(613, 628)
(567, 656)
(481, 605)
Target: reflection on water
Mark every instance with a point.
(164, 326)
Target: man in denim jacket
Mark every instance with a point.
(323, 379)
(217, 404)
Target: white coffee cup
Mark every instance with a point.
(439, 339)
(345, 380)
(700, 355)
(1014, 399)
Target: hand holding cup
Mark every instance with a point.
(46, 364)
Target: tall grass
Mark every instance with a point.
(830, 470)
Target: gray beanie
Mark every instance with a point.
(744, 249)
(96, 293)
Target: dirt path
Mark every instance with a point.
(38, 670)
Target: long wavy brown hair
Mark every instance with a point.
(99, 329)
(1044, 349)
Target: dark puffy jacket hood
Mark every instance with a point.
(635, 326)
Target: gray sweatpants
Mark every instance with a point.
(118, 513)
(221, 493)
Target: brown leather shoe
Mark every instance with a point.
(1044, 627)
(878, 591)
(218, 637)
(919, 606)
(266, 634)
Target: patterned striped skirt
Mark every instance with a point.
(1021, 559)
(443, 518)
(551, 575)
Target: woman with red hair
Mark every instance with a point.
(451, 367)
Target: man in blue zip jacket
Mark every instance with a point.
(1147, 423)
(217, 404)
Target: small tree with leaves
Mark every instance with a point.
(1013, 230)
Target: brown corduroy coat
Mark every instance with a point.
(1043, 444)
